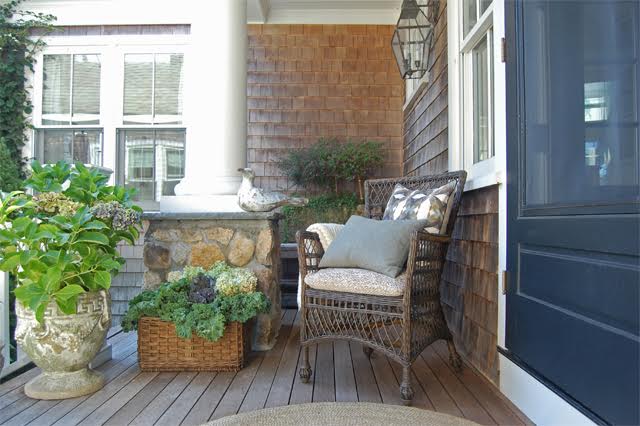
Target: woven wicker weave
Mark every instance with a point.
(400, 327)
(160, 349)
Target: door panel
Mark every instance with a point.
(573, 87)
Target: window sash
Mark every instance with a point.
(71, 145)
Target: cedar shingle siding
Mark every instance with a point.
(470, 279)
(312, 81)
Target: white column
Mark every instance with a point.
(215, 108)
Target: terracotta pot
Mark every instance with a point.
(64, 345)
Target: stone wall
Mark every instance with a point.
(242, 239)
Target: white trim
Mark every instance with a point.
(417, 86)
(539, 403)
(334, 16)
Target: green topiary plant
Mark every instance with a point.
(61, 242)
(200, 301)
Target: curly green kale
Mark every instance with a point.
(242, 307)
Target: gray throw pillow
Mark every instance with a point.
(377, 245)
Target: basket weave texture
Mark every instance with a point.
(160, 348)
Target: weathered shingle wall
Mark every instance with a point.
(312, 81)
(426, 120)
(469, 289)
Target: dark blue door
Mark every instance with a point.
(573, 87)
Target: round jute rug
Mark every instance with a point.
(341, 413)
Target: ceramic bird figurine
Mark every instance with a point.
(252, 199)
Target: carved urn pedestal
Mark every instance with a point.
(64, 345)
(243, 239)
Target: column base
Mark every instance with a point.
(200, 204)
(208, 185)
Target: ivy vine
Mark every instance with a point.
(18, 49)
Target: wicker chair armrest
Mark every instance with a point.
(427, 254)
(310, 251)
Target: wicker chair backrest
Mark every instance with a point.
(378, 191)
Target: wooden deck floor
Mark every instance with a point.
(341, 373)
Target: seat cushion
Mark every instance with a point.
(355, 280)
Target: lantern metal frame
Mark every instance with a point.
(417, 17)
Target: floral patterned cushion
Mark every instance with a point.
(431, 205)
(354, 280)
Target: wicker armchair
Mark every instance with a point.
(400, 327)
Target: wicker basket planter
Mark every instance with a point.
(160, 349)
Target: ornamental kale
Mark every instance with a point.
(194, 302)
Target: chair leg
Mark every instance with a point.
(305, 368)
(367, 351)
(406, 391)
(454, 358)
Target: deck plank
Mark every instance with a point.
(14, 409)
(163, 401)
(387, 383)
(366, 384)
(117, 401)
(495, 406)
(441, 400)
(324, 385)
(209, 400)
(303, 392)
(63, 407)
(467, 403)
(285, 375)
(108, 369)
(256, 397)
(187, 399)
(344, 378)
(133, 407)
(232, 399)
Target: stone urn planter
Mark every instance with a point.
(64, 346)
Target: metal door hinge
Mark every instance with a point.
(503, 49)
(505, 282)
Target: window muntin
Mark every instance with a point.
(153, 161)
(481, 58)
(70, 145)
(71, 89)
(153, 86)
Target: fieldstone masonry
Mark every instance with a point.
(251, 240)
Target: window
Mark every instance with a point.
(71, 145)
(71, 90)
(153, 162)
(476, 52)
(153, 88)
(70, 107)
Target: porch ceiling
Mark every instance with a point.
(323, 11)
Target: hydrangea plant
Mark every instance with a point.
(200, 301)
(61, 242)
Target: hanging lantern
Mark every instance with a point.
(413, 35)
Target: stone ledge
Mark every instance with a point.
(272, 215)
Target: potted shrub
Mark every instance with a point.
(197, 321)
(60, 244)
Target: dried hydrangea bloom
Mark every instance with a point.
(121, 217)
(55, 203)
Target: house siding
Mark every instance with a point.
(312, 81)
(469, 289)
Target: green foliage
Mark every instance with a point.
(18, 49)
(321, 209)
(53, 243)
(9, 170)
(328, 163)
(171, 302)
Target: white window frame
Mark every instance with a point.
(490, 171)
(412, 89)
(111, 49)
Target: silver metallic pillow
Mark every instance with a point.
(429, 205)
